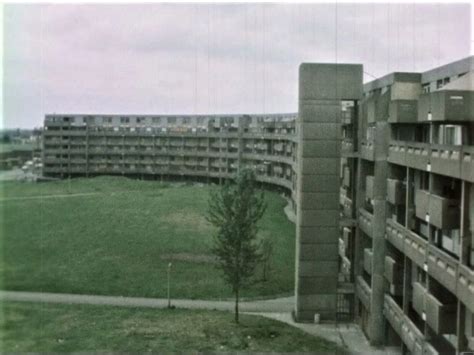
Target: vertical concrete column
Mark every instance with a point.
(321, 88)
(377, 329)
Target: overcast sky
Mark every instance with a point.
(198, 58)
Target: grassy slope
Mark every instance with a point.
(65, 328)
(111, 243)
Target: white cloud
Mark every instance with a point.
(163, 58)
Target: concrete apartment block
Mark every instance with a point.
(382, 185)
(322, 87)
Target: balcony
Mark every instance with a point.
(446, 160)
(465, 290)
(393, 271)
(403, 111)
(368, 254)
(342, 248)
(365, 221)
(364, 292)
(417, 155)
(467, 163)
(346, 267)
(367, 150)
(393, 313)
(396, 192)
(418, 298)
(440, 317)
(369, 187)
(439, 211)
(346, 176)
(397, 153)
(347, 146)
(446, 105)
(442, 267)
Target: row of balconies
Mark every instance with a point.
(404, 327)
(457, 278)
(448, 160)
(444, 105)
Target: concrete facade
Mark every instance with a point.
(410, 251)
(321, 91)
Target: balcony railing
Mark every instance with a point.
(393, 313)
(449, 160)
(367, 150)
(442, 267)
(364, 292)
(465, 289)
(366, 221)
(395, 233)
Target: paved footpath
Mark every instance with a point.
(274, 305)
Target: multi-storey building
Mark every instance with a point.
(407, 197)
(401, 242)
(206, 147)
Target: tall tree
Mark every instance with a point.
(235, 210)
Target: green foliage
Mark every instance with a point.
(235, 210)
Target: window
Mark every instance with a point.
(426, 88)
(124, 120)
(186, 120)
(446, 81)
(156, 120)
(107, 119)
(439, 83)
(172, 120)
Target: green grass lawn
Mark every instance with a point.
(120, 241)
(34, 327)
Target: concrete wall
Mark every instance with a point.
(321, 89)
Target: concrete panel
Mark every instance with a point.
(324, 218)
(317, 285)
(323, 252)
(318, 234)
(319, 183)
(317, 268)
(320, 200)
(320, 131)
(311, 112)
(321, 148)
(320, 166)
(330, 81)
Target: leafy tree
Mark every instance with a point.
(235, 210)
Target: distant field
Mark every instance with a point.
(33, 327)
(118, 238)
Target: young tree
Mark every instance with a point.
(235, 210)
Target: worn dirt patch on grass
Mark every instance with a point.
(188, 219)
(189, 257)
